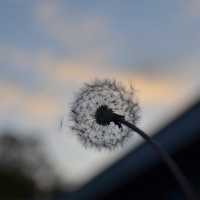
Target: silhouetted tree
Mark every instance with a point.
(25, 171)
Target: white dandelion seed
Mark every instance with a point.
(92, 97)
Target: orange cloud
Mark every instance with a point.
(61, 71)
(154, 91)
(9, 94)
(149, 90)
(41, 107)
(31, 106)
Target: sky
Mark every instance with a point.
(48, 49)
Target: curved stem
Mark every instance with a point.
(175, 170)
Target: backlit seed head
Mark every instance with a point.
(92, 110)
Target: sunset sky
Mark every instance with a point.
(48, 49)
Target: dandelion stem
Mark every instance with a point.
(175, 170)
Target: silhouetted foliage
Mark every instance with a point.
(25, 171)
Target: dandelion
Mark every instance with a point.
(104, 115)
(89, 121)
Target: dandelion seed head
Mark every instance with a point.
(97, 95)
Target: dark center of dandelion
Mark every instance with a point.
(104, 115)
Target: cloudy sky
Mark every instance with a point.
(49, 48)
